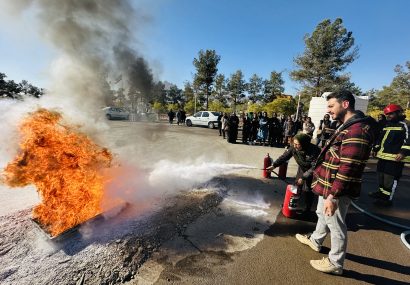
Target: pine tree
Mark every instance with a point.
(206, 70)
(329, 50)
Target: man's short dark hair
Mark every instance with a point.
(343, 95)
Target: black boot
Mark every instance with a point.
(379, 195)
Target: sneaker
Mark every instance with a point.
(305, 239)
(324, 265)
(378, 195)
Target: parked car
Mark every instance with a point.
(203, 118)
(115, 113)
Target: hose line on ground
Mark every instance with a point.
(403, 238)
(403, 234)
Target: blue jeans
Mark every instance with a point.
(336, 225)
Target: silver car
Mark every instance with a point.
(115, 113)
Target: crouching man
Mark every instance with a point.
(337, 178)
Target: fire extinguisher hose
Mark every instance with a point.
(274, 172)
(403, 234)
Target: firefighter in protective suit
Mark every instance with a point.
(393, 150)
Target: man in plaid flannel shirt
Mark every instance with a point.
(338, 177)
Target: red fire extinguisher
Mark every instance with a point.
(267, 161)
(290, 203)
(283, 168)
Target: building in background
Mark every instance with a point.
(318, 108)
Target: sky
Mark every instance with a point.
(257, 36)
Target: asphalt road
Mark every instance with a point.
(271, 254)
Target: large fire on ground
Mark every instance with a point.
(66, 168)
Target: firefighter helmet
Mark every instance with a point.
(392, 108)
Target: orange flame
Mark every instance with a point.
(64, 165)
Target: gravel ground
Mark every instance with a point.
(100, 252)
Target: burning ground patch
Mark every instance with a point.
(106, 252)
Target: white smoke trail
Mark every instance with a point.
(168, 178)
(181, 176)
(145, 190)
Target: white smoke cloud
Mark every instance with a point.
(142, 191)
(142, 187)
(93, 41)
(11, 113)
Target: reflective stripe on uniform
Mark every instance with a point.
(385, 192)
(386, 156)
(406, 130)
(392, 129)
(392, 157)
(393, 189)
(382, 143)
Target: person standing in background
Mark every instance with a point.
(324, 131)
(263, 128)
(298, 125)
(179, 117)
(289, 131)
(308, 127)
(381, 122)
(219, 120)
(224, 125)
(246, 129)
(171, 116)
(254, 129)
(274, 130)
(233, 124)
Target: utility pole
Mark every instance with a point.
(195, 94)
(297, 109)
